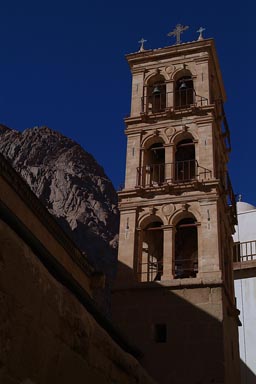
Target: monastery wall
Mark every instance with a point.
(46, 335)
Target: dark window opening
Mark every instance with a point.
(186, 249)
(155, 164)
(151, 259)
(160, 333)
(185, 163)
(157, 153)
(156, 94)
(184, 92)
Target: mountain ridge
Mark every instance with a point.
(72, 186)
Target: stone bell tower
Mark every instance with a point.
(174, 294)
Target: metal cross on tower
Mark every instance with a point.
(142, 41)
(179, 29)
(200, 31)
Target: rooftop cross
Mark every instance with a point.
(179, 29)
(200, 31)
(142, 41)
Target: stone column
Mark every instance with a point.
(169, 95)
(208, 241)
(168, 252)
(132, 160)
(169, 163)
(127, 240)
(137, 93)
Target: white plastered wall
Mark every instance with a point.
(245, 291)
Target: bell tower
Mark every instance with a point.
(174, 293)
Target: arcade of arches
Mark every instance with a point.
(159, 95)
(156, 169)
(182, 260)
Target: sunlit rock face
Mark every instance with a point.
(73, 187)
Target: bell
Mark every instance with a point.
(156, 90)
(183, 85)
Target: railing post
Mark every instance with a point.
(174, 172)
(142, 104)
(245, 251)
(138, 177)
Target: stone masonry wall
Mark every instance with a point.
(46, 335)
(194, 335)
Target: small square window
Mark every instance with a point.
(160, 333)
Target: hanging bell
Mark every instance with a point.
(156, 90)
(183, 85)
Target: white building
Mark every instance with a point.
(245, 288)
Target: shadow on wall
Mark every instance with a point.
(179, 330)
(51, 332)
(247, 376)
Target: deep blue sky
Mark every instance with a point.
(63, 65)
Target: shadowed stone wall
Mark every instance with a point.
(46, 334)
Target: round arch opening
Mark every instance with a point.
(184, 92)
(156, 94)
(186, 249)
(185, 160)
(150, 257)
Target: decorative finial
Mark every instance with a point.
(142, 41)
(177, 32)
(200, 31)
(239, 197)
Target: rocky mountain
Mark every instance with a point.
(72, 185)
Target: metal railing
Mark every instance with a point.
(151, 270)
(245, 251)
(231, 199)
(185, 268)
(179, 172)
(178, 100)
(224, 125)
(154, 103)
(183, 98)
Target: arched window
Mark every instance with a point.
(184, 92)
(150, 259)
(186, 249)
(151, 173)
(155, 164)
(156, 94)
(185, 162)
